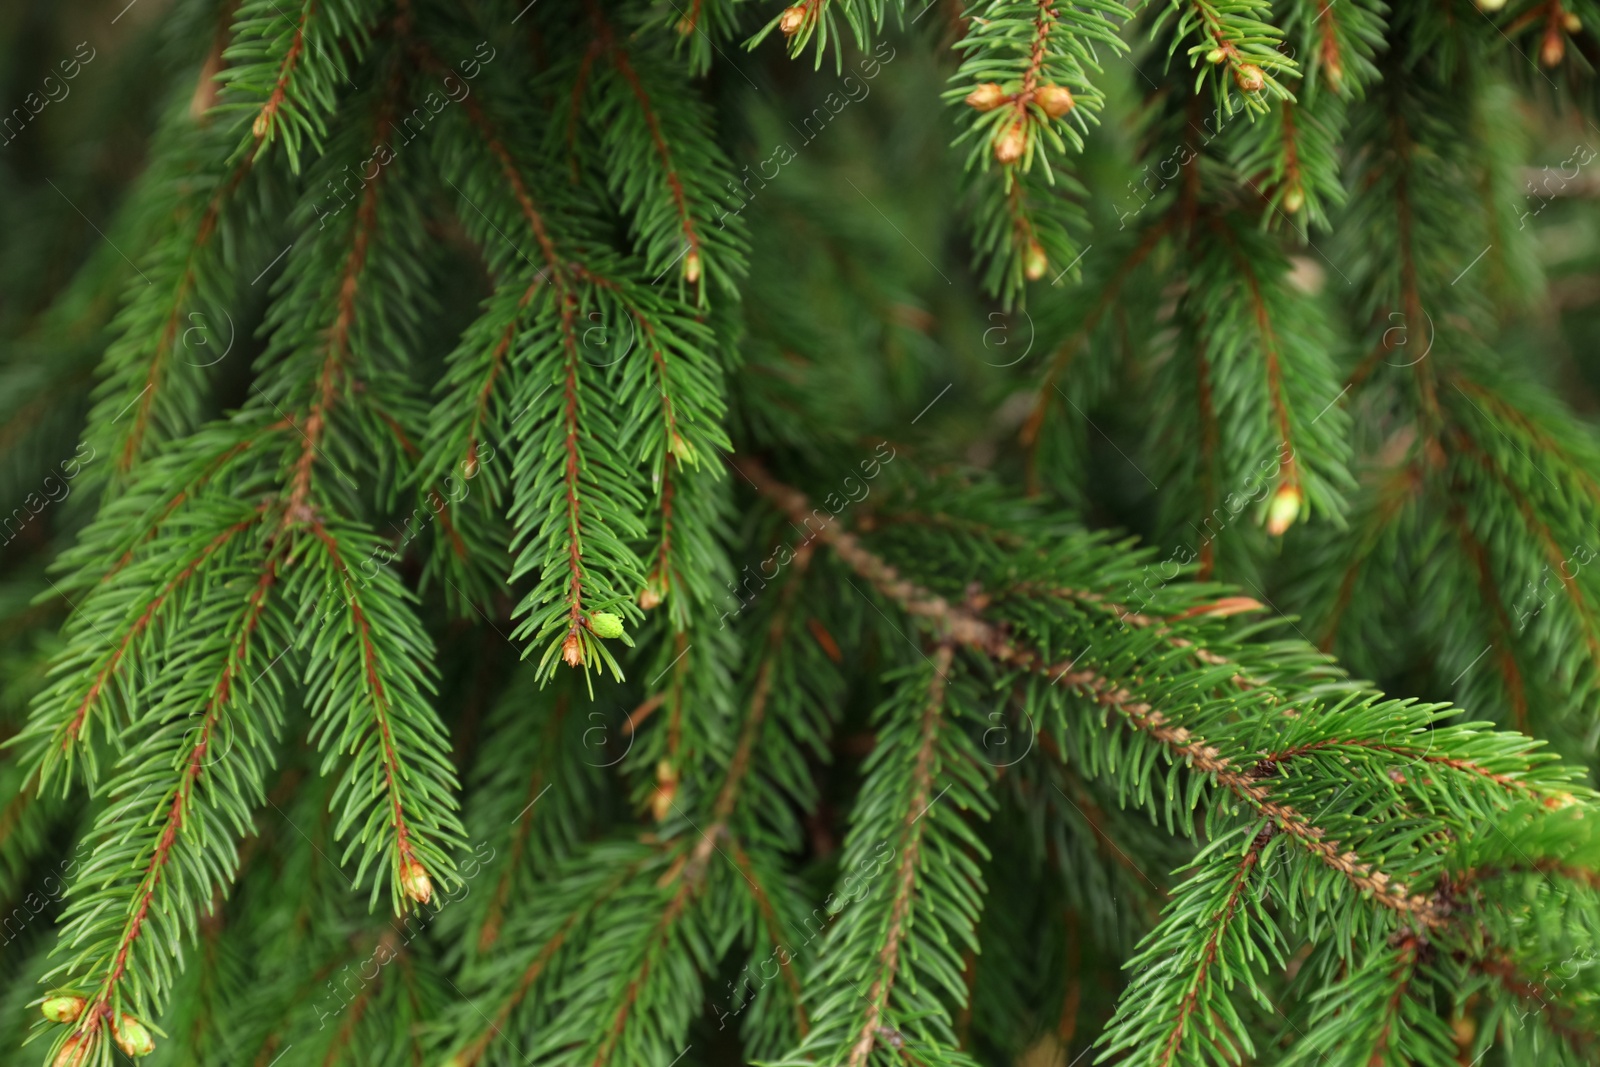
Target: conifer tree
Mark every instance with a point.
(658, 532)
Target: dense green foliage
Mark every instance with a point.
(659, 532)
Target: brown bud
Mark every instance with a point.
(62, 1007)
(572, 651)
(1224, 607)
(684, 26)
(1216, 55)
(469, 466)
(986, 97)
(74, 1052)
(415, 881)
(260, 126)
(652, 593)
(1572, 22)
(1056, 100)
(132, 1037)
(206, 86)
(691, 267)
(1249, 77)
(1034, 262)
(1333, 70)
(666, 790)
(791, 20)
(1553, 48)
(1011, 143)
(1294, 199)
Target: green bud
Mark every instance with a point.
(605, 624)
(132, 1037)
(1284, 508)
(62, 1008)
(683, 451)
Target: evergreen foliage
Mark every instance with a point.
(666, 532)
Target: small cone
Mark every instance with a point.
(132, 1037)
(62, 1008)
(986, 97)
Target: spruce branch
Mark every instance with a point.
(1232, 36)
(665, 170)
(1023, 94)
(159, 857)
(1178, 1008)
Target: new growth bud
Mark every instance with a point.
(74, 1051)
(605, 624)
(1216, 55)
(1010, 144)
(132, 1037)
(1553, 48)
(1294, 199)
(1284, 508)
(986, 97)
(791, 20)
(1056, 100)
(666, 790)
(691, 267)
(1034, 261)
(682, 451)
(62, 1007)
(1249, 77)
(415, 881)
